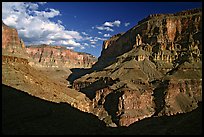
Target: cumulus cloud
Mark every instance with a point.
(112, 24)
(106, 35)
(36, 27)
(102, 39)
(108, 26)
(104, 28)
(84, 33)
(99, 32)
(85, 44)
(50, 14)
(127, 24)
(42, 3)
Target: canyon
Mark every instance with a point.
(154, 70)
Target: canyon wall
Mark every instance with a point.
(43, 56)
(153, 69)
(58, 57)
(165, 31)
(11, 43)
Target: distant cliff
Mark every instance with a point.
(43, 55)
(59, 57)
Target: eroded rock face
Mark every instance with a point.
(11, 43)
(43, 56)
(182, 96)
(158, 30)
(153, 69)
(59, 57)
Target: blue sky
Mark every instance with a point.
(81, 26)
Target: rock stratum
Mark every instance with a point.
(59, 57)
(153, 69)
(43, 56)
(157, 32)
(11, 43)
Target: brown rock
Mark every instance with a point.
(59, 57)
(11, 43)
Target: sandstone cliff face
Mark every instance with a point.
(182, 96)
(11, 43)
(153, 69)
(43, 56)
(59, 57)
(17, 73)
(159, 31)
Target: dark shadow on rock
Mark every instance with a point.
(23, 114)
(91, 89)
(159, 96)
(111, 105)
(77, 73)
(181, 124)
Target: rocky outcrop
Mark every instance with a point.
(11, 43)
(182, 96)
(43, 56)
(13, 59)
(160, 31)
(154, 69)
(58, 57)
(17, 73)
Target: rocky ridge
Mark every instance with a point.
(43, 56)
(162, 31)
(151, 70)
(58, 57)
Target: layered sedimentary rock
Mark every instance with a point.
(153, 69)
(59, 57)
(11, 43)
(43, 55)
(17, 73)
(161, 31)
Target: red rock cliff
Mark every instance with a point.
(43, 55)
(11, 43)
(59, 57)
(181, 29)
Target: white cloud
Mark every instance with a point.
(84, 33)
(50, 14)
(109, 24)
(59, 21)
(72, 42)
(112, 24)
(99, 32)
(35, 27)
(85, 44)
(42, 3)
(127, 24)
(117, 23)
(107, 35)
(104, 28)
(82, 47)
